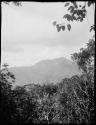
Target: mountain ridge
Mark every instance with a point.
(45, 71)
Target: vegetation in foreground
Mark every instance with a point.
(70, 101)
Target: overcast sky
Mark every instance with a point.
(28, 35)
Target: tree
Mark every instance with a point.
(77, 11)
(7, 107)
(16, 3)
(85, 58)
(26, 105)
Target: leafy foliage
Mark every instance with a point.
(70, 101)
(16, 3)
(76, 12)
(7, 107)
(69, 27)
(85, 58)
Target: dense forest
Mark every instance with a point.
(69, 101)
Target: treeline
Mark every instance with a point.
(70, 101)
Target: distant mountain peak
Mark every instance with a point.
(60, 59)
(45, 71)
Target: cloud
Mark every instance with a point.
(29, 36)
(20, 28)
(33, 54)
(11, 49)
(10, 46)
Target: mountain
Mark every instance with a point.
(45, 71)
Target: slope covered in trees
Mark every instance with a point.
(45, 71)
(70, 101)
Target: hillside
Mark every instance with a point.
(45, 71)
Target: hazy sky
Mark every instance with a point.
(28, 35)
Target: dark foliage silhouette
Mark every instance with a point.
(69, 101)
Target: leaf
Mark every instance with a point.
(74, 18)
(80, 12)
(92, 28)
(57, 25)
(83, 7)
(68, 17)
(67, 4)
(6, 2)
(71, 8)
(81, 19)
(75, 4)
(58, 29)
(90, 3)
(17, 3)
(63, 28)
(54, 23)
(69, 27)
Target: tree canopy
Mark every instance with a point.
(77, 11)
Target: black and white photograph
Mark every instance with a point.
(47, 62)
